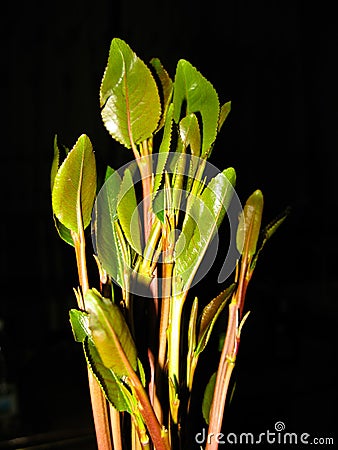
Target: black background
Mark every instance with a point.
(277, 63)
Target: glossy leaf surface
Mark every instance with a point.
(109, 382)
(108, 239)
(167, 88)
(209, 316)
(74, 186)
(199, 96)
(110, 334)
(163, 151)
(129, 97)
(127, 212)
(190, 133)
(250, 224)
(225, 111)
(205, 216)
(55, 163)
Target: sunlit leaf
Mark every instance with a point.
(167, 88)
(190, 133)
(108, 239)
(74, 186)
(225, 110)
(111, 385)
(209, 316)
(109, 173)
(129, 97)
(250, 224)
(63, 231)
(55, 163)
(191, 343)
(267, 232)
(205, 216)
(199, 96)
(80, 324)
(110, 334)
(127, 212)
(162, 155)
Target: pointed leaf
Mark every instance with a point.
(63, 231)
(55, 163)
(190, 134)
(191, 343)
(74, 187)
(127, 212)
(206, 214)
(192, 327)
(112, 387)
(209, 317)
(109, 173)
(250, 224)
(128, 97)
(225, 110)
(163, 150)
(107, 237)
(167, 88)
(269, 231)
(200, 97)
(208, 396)
(80, 324)
(273, 226)
(110, 384)
(110, 334)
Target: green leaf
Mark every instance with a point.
(113, 388)
(127, 212)
(128, 96)
(110, 334)
(200, 97)
(225, 110)
(273, 226)
(109, 173)
(205, 216)
(74, 187)
(218, 193)
(250, 224)
(163, 151)
(141, 372)
(80, 324)
(190, 133)
(63, 231)
(209, 317)
(191, 343)
(208, 396)
(55, 163)
(111, 385)
(167, 88)
(108, 239)
(267, 232)
(192, 326)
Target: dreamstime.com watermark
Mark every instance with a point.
(268, 437)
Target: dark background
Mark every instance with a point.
(277, 63)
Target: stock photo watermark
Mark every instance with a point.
(278, 435)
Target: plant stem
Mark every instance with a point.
(229, 351)
(225, 368)
(174, 336)
(158, 435)
(98, 401)
(115, 427)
